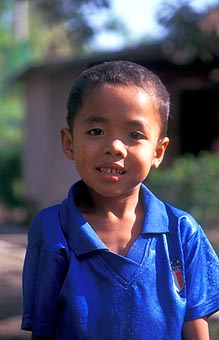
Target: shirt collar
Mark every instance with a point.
(82, 238)
(80, 235)
(156, 220)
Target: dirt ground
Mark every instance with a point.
(12, 249)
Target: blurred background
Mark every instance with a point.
(44, 45)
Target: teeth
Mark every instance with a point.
(111, 171)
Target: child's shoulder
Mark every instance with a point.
(46, 214)
(179, 214)
(176, 218)
(182, 222)
(46, 228)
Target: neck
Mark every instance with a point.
(116, 220)
(118, 206)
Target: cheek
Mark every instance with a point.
(144, 159)
(144, 153)
(83, 152)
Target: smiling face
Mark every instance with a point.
(115, 139)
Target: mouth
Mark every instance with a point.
(111, 171)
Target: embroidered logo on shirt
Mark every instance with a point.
(177, 274)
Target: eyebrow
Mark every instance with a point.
(138, 124)
(95, 119)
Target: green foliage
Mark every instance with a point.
(191, 184)
(13, 53)
(12, 186)
(11, 116)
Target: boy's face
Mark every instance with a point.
(115, 139)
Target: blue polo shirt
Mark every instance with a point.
(75, 288)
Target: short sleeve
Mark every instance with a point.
(202, 276)
(44, 270)
(29, 278)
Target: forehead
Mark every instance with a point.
(117, 102)
(123, 93)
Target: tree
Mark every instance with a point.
(78, 19)
(74, 15)
(185, 38)
(11, 56)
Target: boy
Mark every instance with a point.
(112, 261)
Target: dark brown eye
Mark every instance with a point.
(95, 132)
(135, 135)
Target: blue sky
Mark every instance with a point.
(140, 17)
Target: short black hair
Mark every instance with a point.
(119, 73)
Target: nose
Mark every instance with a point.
(116, 147)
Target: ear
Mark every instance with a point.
(67, 143)
(160, 151)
